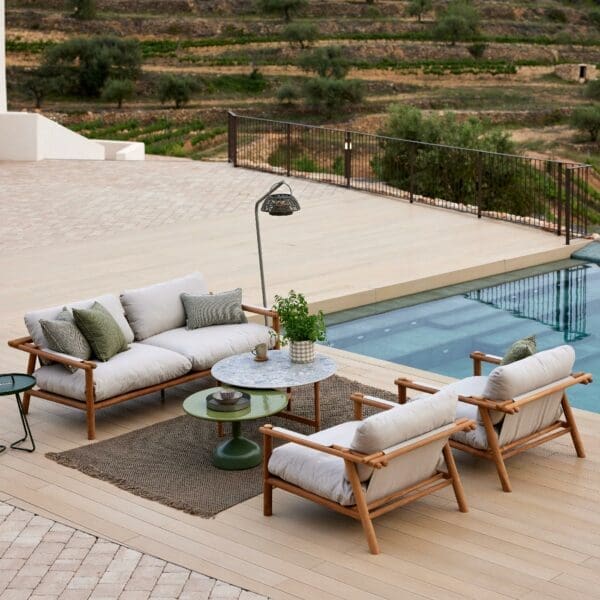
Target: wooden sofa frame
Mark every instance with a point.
(90, 406)
(363, 511)
(496, 453)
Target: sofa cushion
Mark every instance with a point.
(109, 301)
(208, 345)
(476, 438)
(205, 310)
(101, 331)
(316, 471)
(142, 365)
(156, 308)
(519, 350)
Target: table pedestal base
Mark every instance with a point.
(237, 453)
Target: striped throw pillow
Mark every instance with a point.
(213, 309)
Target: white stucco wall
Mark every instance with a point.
(2, 61)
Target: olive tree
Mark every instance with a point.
(459, 21)
(285, 8)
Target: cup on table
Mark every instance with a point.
(260, 351)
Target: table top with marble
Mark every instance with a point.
(279, 371)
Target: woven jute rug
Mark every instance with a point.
(170, 462)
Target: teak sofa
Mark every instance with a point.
(162, 352)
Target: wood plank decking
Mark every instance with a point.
(74, 230)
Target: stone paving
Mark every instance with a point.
(44, 560)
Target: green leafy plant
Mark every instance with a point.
(416, 8)
(118, 90)
(587, 118)
(459, 21)
(299, 325)
(177, 88)
(300, 34)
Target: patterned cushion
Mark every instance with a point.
(64, 336)
(519, 350)
(100, 330)
(213, 309)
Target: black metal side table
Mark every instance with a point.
(14, 383)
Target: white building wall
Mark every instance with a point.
(2, 61)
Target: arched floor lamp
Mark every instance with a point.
(277, 205)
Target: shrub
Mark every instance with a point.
(288, 93)
(331, 95)
(118, 90)
(556, 15)
(416, 8)
(301, 34)
(85, 64)
(453, 174)
(592, 90)
(83, 10)
(176, 88)
(286, 8)
(460, 21)
(587, 119)
(38, 84)
(594, 17)
(328, 62)
(477, 50)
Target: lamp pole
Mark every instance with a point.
(260, 258)
(3, 106)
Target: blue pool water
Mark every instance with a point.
(560, 306)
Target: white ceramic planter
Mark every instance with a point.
(302, 352)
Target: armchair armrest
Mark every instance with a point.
(286, 435)
(479, 357)
(26, 345)
(407, 384)
(360, 400)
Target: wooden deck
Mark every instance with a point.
(542, 541)
(80, 229)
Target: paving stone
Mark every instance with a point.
(224, 591)
(138, 595)
(79, 582)
(15, 595)
(26, 582)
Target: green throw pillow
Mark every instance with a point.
(213, 309)
(519, 350)
(64, 336)
(101, 331)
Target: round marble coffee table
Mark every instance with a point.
(243, 371)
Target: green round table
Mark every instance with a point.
(11, 384)
(238, 452)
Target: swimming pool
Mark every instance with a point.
(558, 305)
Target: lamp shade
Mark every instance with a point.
(280, 205)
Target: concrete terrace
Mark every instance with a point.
(70, 230)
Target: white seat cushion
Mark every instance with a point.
(138, 367)
(207, 345)
(315, 471)
(109, 301)
(156, 308)
(477, 437)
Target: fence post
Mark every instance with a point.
(348, 158)
(568, 191)
(232, 138)
(288, 148)
(411, 175)
(479, 183)
(559, 203)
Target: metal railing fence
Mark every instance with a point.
(548, 194)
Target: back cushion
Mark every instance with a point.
(156, 308)
(509, 381)
(404, 422)
(108, 301)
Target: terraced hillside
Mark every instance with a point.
(236, 57)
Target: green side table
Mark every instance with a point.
(13, 384)
(238, 452)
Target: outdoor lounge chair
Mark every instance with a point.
(517, 406)
(364, 469)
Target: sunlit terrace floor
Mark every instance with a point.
(72, 230)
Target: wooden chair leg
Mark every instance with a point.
(459, 491)
(90, 408)
(575, 435)
(220, 430)
(492, 438)
(30, 369)
(267, 487)
(363, 509)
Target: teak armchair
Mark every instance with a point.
(518, 406)
(364, 469)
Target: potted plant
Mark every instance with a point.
(301, 329)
